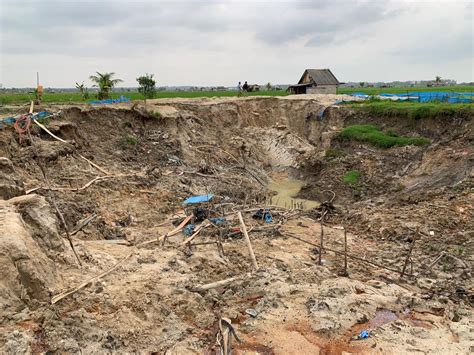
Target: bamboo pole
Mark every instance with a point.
(247, 239)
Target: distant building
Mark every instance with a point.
(315, 81)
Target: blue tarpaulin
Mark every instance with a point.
(198, 199)
(11, 120)
(110, 101)
(426, 96)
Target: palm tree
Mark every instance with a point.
(83, 90)
(105, 83)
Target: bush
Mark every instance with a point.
(371, 134)
(146, 86)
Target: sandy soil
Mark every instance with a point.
(149, 163)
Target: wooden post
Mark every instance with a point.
(409, 253)
(247, 239)
(345, 253)
(321, 245)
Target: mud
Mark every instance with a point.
(152, 157)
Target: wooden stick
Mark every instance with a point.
(321, 241)
(94, 165)
(62, 140)
(247, 239)
(49, 132)
(31, 107)
(221, 283)
(84, 223)
(409, 253)
(169, 234)
(345, 252)
(62, 295)
(94, 180)
(196, 232)
(342, 253)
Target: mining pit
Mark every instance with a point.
(390, 254)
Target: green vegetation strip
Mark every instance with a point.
(75, 97)
(371, 134)
(404, 90)
(413, 110)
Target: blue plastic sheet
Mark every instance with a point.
(198, 199)
(12, 120)
(110, 101)
(427, 96)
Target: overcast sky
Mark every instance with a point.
(221, 42)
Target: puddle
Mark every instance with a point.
(286, 189)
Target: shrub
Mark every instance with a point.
(371, 134)
(146, 86)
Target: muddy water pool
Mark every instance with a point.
(286, 189)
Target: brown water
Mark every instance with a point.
(286, 189)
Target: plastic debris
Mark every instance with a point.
(263, 215)
(251, 312)
(218, 221)
(189, 229)
(198, 199)
(364, 334)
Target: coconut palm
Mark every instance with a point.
(105, 83)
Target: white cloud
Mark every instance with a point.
(208, 42)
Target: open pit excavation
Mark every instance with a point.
(255, 225)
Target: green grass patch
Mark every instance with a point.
(75, 97)
(371, 134)
(128, 140)
(404, 90)
(333, 153)
(415, 110)
(351, 177)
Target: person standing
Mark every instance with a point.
(245, 87)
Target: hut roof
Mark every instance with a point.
(321, 76)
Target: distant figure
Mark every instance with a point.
(245, 87)
(239, 87)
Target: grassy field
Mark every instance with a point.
(371, 134)
(375, 91)
(75, 97)
(415, 110)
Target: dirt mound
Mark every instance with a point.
(29, 245)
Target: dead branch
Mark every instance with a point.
(62, 295)
(84, 223)
(220, 283)
(94, 165)
(169, 234)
